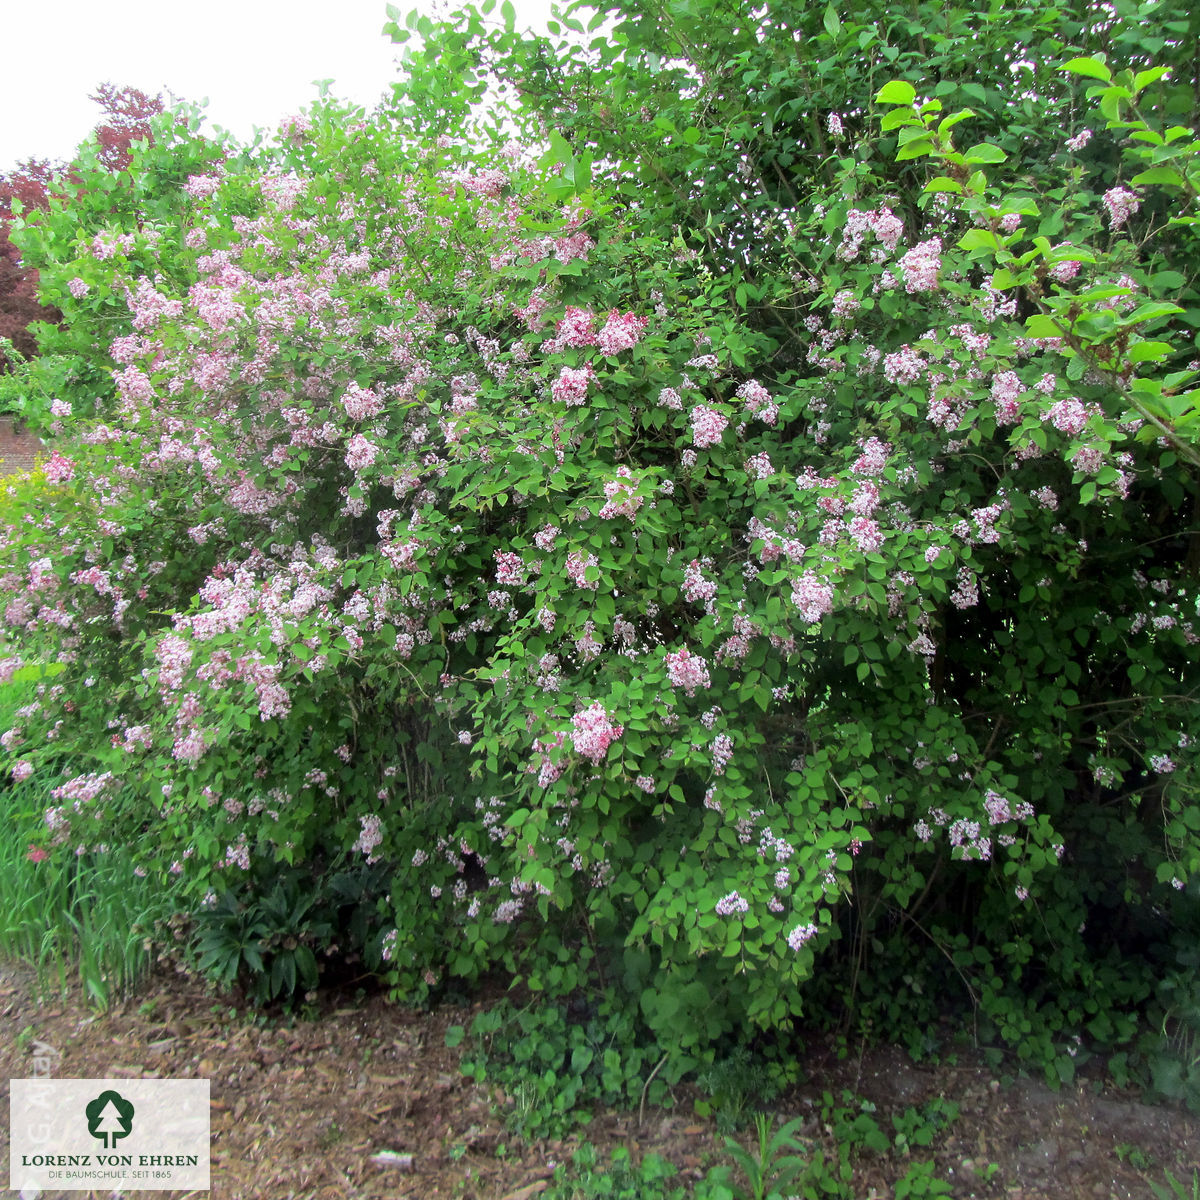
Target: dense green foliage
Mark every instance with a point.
(737, 562)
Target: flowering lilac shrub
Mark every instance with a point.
(440, 512)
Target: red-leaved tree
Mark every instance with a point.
(127, 116)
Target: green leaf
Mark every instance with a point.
(898, 118)
(978, 239)
(948, 123)
(1093, 68)
(985, 152)
(917, 148)
(1149, 352)
(898, 91)
(1143, 79)
(1152, 310)
(831, 21)
(1167, 176)
(1025, 206)
(1040, 325)
(943, 183)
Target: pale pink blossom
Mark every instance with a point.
(687, 671)
(708, 426)
(360, 453)
(570, 388)
(621, 332)
(594, 732)
(1121, 204)
(920, 266)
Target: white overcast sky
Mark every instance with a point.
(254, 60)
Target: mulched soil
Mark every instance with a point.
(300, 1107)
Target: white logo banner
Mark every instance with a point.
(131, 1135)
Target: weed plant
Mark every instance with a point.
(585, 1178)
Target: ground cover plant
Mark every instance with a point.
(720, 537)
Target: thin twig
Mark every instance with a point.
(646, 1087)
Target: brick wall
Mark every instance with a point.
(18, 448)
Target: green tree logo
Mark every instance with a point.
(109, 1117)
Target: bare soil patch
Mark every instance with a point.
(300, 1107)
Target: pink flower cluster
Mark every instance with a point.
(722, 752)
(361, 403)
(370, 836)
(174, 656)
(882, 222)
(800, 935)
(966, 594)
(294, 127)
(813, 596)
(1068, 416)
(758, 402)
(731, 905)
(1065, 271)
(488, 182)
(360, 453)
(865, 499)
(903, 366)
(920, 266)
(708, 426)
(577, 565)
(758, 466)
(687, 671)
(1089, 460)
(621, 500)
(845, 304)
(570, 388)
(866, 534)
(59, 469)
(696, 588)
(873, 457)
(576, 328)
(282, 190)
(106, 245)
(201, 186)
(593, 732)
(510, 569)
(1006, 388)
(388, 946)
(1121, 204)
(621, 331)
